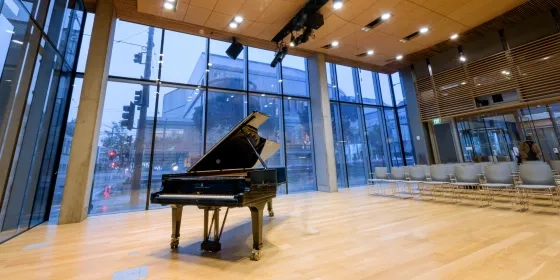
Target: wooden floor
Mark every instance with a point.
(358, 236)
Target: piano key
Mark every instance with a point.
(197, 197)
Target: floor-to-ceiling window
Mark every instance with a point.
(201, 96)
(38, 46)
(370, 124)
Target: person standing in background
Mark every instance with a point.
(529, 150)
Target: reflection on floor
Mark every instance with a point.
(355, 235)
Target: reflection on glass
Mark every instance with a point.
(338, 146)
(224, 71)
(299, 145)
(272, 128)
(84, 46)
(121, 169)
(385, 89)
(66, 146)
(355, 148)
(180, 66)
(393, 138)
(294, 76)
(346, 86)
(262, 77)
(330, 83)
(225, 111)
(374, 129)
(397, 89)
(406, 139)
(140, 44)
(367, 84)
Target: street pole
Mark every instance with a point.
(141, 130)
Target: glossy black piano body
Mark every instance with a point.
(227, 176)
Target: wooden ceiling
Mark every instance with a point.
(264, 18)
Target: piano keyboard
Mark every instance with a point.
(198, 197)
(207, 178)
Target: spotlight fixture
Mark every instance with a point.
(399, 57)
(424, 30)
(233, 50)
(370, 52)
(385, 16)
(334, 44)
(337, 4)
(170, 5)
(462, 58)
(454, 36)
(279, 56)
(238, 19)
(235, 22)
(376, 22)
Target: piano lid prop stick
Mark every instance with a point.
(256, 153)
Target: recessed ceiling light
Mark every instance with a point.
(399, 57)
(292, 44)
(238, 19)
(334, 44)
(454, 36)
(424, 30)
(385, 16)
(402, 40)
(462, 58)
(168, 6)
(365, 29)
(370, 52)
(233, 24)
(337, 4)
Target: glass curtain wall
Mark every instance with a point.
(370, 124)
(201, 96)
(38, 46)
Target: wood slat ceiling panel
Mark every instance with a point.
(532, 70)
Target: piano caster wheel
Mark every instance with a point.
(174, 244)
(256, 255)
(271, 213)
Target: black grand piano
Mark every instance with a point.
(227, 176)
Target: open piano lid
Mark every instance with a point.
(233, 151)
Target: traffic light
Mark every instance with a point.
(138, 97)
(128, 116)
(138, 58)
(112, 154)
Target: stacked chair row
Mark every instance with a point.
(527, 184)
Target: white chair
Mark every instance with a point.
(466, 180)
(536, 180)
(415, 176)
(379, 177)
(438, 181)
(497, 180)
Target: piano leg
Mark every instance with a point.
(257, 223)
(176, 216)
(270, 211)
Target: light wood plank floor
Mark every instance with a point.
(358, 236)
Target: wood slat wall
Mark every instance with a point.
(533, 70)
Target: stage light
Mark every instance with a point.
(334, 44)
(238, 19)
(424, 30)
(370, 52)
(337, 4)
(454, 36)
(399, 57)
(385, 16)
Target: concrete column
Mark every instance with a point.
(325, 165)
(417, 132)
(81, 165)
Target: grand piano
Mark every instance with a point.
(232, 174)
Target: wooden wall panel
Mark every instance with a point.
(533, 70)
